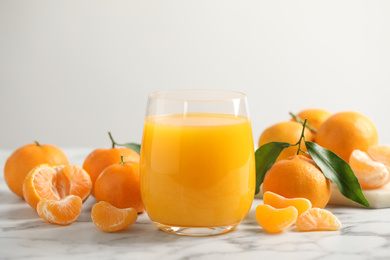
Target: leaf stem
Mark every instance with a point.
(37, 143)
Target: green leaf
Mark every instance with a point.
(265, 157)
(132, 146)
(338, 171)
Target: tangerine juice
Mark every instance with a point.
(197, 170)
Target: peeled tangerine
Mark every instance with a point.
(111, 219)
(62, 212)
(371, 169)
(316, 219)
(279, 202)
(55, 183)
(275, 220)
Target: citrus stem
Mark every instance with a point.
(302, 137)
(112, 140)
(37, 143)
(301, 121)
(122, 161)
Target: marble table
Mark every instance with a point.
(24, 235)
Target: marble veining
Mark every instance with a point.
(24, 235)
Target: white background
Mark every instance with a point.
(72, 70)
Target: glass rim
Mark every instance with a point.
(240, 95)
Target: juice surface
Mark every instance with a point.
(197, 170)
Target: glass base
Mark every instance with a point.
(196, 231)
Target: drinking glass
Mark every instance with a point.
(197, 161)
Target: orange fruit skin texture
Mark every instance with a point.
(288, 131)
(119, 185)
(55, 183)
(280, 202)
(61, 212)
(298, 177)
(371, 174)
(315, 117)
(101, 158)
(111, 219)
(275, 220)
(347, 131)
(25, 158)
(316, 219)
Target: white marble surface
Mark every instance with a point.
(24, 235)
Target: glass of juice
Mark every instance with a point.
(197, 161)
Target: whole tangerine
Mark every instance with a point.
(101, 158)
(27, 157)
(344, 132)
(315, 118)
(119, 185)
(298, 177)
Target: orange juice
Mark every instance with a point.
(197, 170)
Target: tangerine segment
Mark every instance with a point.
(111, 219)
(55, 183)
(316, 219)
(371, 174)
(279, 202)
(275, 220)
(380, 153)
(62, 212)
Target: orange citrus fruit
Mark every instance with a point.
(101, 158)
(55, 183)
(119, 185)
(24, 159)
(280, 202)
(62, 212)
(289, 132)
(275, 220)
(315, 116)
(110, 219)
(347, 131)
(316, 219)
(371, 174)
(298, 177)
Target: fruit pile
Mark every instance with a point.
(350, 136)
(44, 178)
